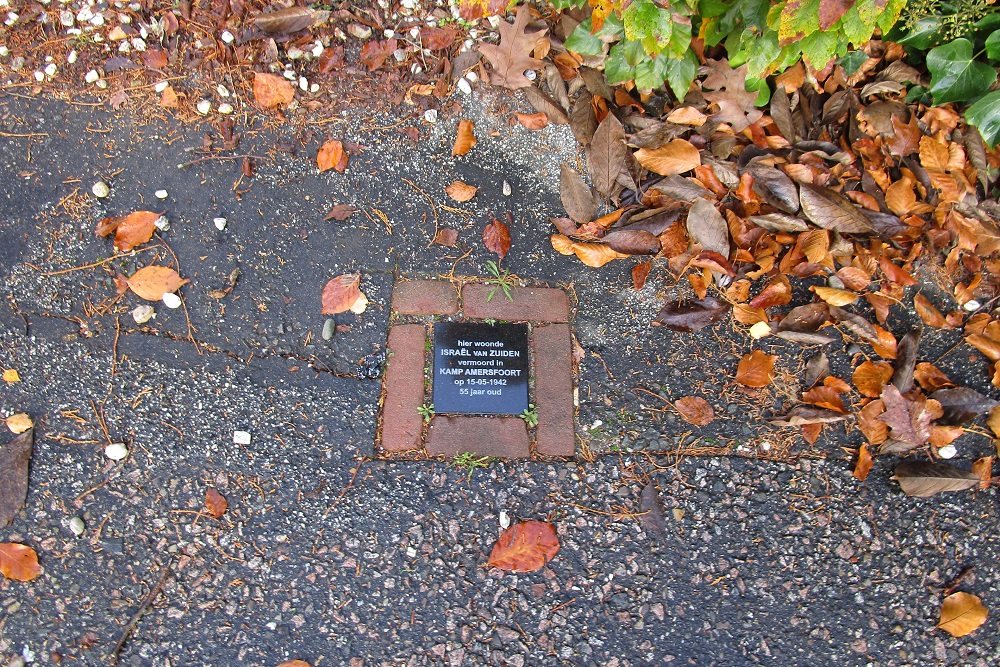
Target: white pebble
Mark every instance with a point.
(465, 86)
(4, 51)
(530, 74)
(289, 74)
(161, 86)
(161, 194)
(77, 526)
(171, 300)
(71, 58)
(507, 190)
(760, 330)
(241, 438)
(294, 53)
(313, 87)
(92, 76)
(220, 223)
(765, 446)
(389, 34)
(100, 189)
(225, 108)
(303, 84)
(228, 37)
(947, 452)
(116, 451)
(431, 116)
(39, 76)
(102, 84)
(472, 76)
(143, 313)
(504, 520)
(222, 90)
(50, 70)
(317, 50)
(203, 107)
(972, 305)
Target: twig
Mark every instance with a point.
(430, 202)
(146, 602)
(94, 265)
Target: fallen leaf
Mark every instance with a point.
(436, 39)
(341, 293)
(906, 360)
(465, 138)
(15, 457)
(633, 242)
(707, 228)
(983, 468)
(756, 369)
(10, 375)
(289, 20)
(130, 230)
(595, 255)
(340, 212)
(295, 663)
(931, 316)
(271, 90)
(511, 58)
(691, 316)
(461, 191)
(446, 237)
(864, 464)
(19, 423)
(687, 116)
(18, 562)
(525, 547)
(639, 274)
(496, 238)
(777, 292)
(331, 155)
(802, 415)
(215, 503)
(169, 98)
(533, 121)
(674, 157)
(695, 410)
(930, 377)
(870, 377)
(873, 428)
(652, 517)
(835, 296)
(576, 196)
(152, 282)
(375, 53)
(909, 420)
(962, 404)
(961, 613)
(923, 479)
(608, 154)
(830, 210)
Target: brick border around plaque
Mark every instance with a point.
(416, 305)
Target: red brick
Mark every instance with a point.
(502, 437)
(425, 297)
(534, 304)
(404, 388)
(552, 348)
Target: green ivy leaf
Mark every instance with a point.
(819, 48)
(681, 73)
(763, 90)
(955, 76)
(924, 34)
(993, 46)
(650, 73)
(853, 61)
(583, 42)
(643, 19)
(985, 115)
(617, 68)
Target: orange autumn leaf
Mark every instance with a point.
(672, 158)
(824, 397)
(130, 230)
(18, 562)
(639, 274)
(931, 316)
(465, 138)
(756, 369)
(874, 429)
(871, 376)
(835, 296)
(695, 410)
(271, 90)
(461, 191)
(864, 463)
(930, 377)
(295, 663)
(811, 432)
(340, 294)
(152, 282)
(777, 292)
(885, 345)
(525, 547)
(533, 121)
(215, 503)
(331, 155)
(944, 435)
(983, 468)
(961, 613)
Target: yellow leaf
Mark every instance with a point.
(19, 423)
(961, 613)
(834, 296)
(675, 157)
(562, 244)
(10, 376)
(596, 254)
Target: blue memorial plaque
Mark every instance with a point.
(480, 368)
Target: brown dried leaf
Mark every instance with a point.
(695, 410)
(130, 230)
(496, 238)
(835, 296)
(961, 614)
(756, 369)
(864, 464)
(870, 377)
(465, 138)
(909, 420)
(461, 191)
(633, 242)
(215, 503)
(930, 377)
(289, 20)
(802, 415)
(152, 282)
(651, 506)
(830, 210)
(18, 562)
(874, 429)
(608, 154)
(691, 316)
(931, 316)
(512, 56)
(533, 121)
(271, 90)
(446, 237)
(331, 155)
(672, 158)
(339, 212)
(983, 468)
(525, 547)
(923, 479)
(15, 458)
(639, 274)
(576, 196)
(341, 293)
(962, 404)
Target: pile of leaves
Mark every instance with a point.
(839, 197)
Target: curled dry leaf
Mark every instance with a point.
(271, 90)
(653, 517)
(331, 155)
(633, 242)
(461, 191)
(756, 369)
(672, 158)
(594, 255)
(835, 296)
(525, 547)
(19, 423)
(871, 376)
(152, 282)
(962, 404)
(130, 230)
(215, 503)
(695, 410)
(18, 562)
(289, 20)
(961, 613)
(339, 212)
(864, 464)
(802, 415)
(687, 116)
(930, 377)
(533, 121)
(983, 468)
(496, 238)
(465, 138)
(639, 274)
(923, 479)
(931, 316)
(446, 237)
(342, 293)
(691, 316)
